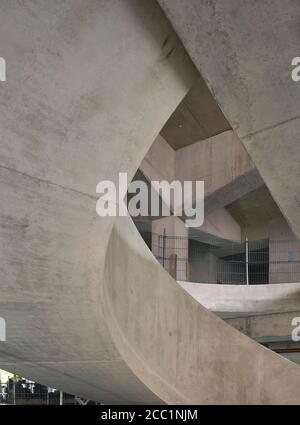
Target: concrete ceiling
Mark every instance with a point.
(254, 208)
(196, 118)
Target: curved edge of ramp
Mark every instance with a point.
(180, 350)
(271, 298)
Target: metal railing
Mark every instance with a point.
(220, 261)
(25, 392)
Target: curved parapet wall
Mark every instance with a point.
(88, 308)
(282, 297)
(183, 352)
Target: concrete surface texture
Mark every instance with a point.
(231, 180)
(197, 117)
(205, 160)
(236, 49)
(224, 165)
(267, 327)
(88, 308)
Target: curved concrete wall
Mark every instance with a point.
(89, 86)
(183, 352)
(283, 297)
(88, 308)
